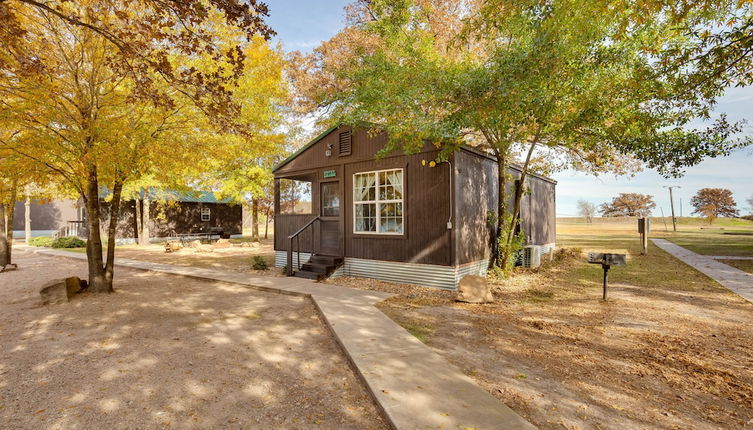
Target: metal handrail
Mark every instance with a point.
(296, 236)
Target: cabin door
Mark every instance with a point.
(330, 233)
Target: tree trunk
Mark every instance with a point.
(501, 210)
(139, 227)
(27, 220)
(515, 218)
(10, 213)
(4, 255)
(255, 219)
(145, 220)
(98, 282)
(112, 231)
(266, 225)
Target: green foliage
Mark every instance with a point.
(68, 242)
(41, 241)
(260, 263)
(509, 244)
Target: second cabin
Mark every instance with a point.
(400, 218)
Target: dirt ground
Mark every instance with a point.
(169, 352)
(670, 349)
(236, 258)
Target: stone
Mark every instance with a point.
(194, 244)
(205, 248)
(61, 290)
(223, 243)
(474, 289)
(8, 268)
(173, 246)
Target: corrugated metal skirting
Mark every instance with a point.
(428, 275)
(281, 258)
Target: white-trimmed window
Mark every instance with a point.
(378, 202)
(206, 213)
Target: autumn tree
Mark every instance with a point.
(94, 123)
(587, 210)
(628, 204)
(714, 203)
(454, 73)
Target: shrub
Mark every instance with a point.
(41, 241)
(260, 263)
(68, 242)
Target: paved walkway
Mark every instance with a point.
(415, 386)
(735, 280)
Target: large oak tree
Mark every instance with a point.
(104, 93)
(576, 79)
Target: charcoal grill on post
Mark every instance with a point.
(606, 260)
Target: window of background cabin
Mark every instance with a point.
(330, 199)
(206, 214)
(295, 196)
(378, 202)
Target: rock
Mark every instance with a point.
(205, 248)
(194, 244)
(172, 246)
(474, 289)
(223, 243)
(250, 244)
(8, 268)
(61, 290)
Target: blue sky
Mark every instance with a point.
(303, 25)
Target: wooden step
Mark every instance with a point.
(329, 260)
(308, 275)
(324, 269)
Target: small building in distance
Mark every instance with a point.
(169, 212)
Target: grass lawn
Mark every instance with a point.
(714, 242)
(744, 265)
(669, 349)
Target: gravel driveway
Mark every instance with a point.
(168, 351)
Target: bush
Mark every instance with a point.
(260, 263)
(41, 241)
(68, 242)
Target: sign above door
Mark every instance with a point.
(330, 173)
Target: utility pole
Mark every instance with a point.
(672, 205)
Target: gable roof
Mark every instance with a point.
(465, 147)
(175, 196)
(305, 147)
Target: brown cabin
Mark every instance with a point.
(341, 211)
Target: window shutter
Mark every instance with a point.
(346, 143)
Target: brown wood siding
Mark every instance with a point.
(476, 195)
(476, 188)
(425, 213)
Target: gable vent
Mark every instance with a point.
(346, 143)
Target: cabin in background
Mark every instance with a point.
(340, 211)
(183, 214)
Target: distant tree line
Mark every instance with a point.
(710, 203)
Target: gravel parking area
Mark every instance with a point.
(166, 351)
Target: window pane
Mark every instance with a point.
(330, 199)
(364, 187)
(391, 218)
(295, 196)
(365, 217)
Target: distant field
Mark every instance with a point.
(724, 237)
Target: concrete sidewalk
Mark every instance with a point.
(415, 387)
(735, 280)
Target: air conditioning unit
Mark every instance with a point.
(531, 256)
